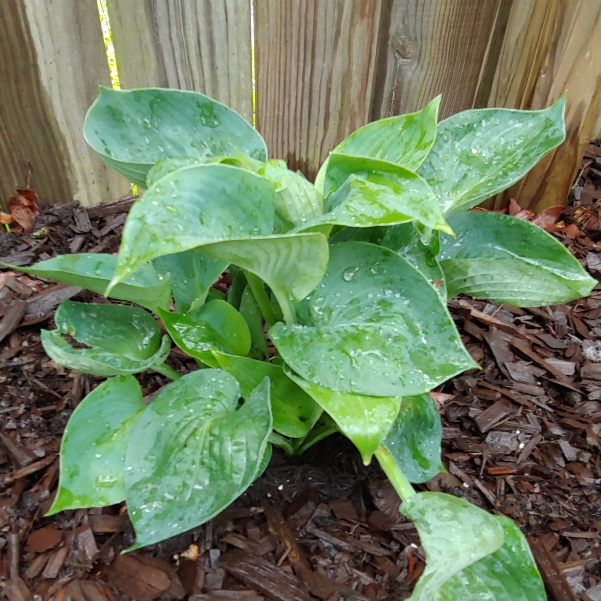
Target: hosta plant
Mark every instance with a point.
(348, 278)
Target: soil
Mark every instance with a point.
(521, 438)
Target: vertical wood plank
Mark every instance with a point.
(202, 45)
(315, 62)
(51, 61)
(551, 46)
(432, 47)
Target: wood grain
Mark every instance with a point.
(431, 47)
(202, 45)
(52, 59)
(315, 62)
(551, 46)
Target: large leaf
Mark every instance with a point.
(404, 140)
(374, 326)
(291, 407)
(363, 192)
(192, 451)
(364, 420)
(215, 326)
(454, 534)
(191, 275)
(94, 271)
(508, 574)
(414, 440)
(92, 458)
(509, 260)
(123, 340)
(406, 241)
(132, 130)
(192, 207)
(481, 152)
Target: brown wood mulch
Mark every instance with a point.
(521, 438)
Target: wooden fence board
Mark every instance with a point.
(52, 59)
(202, 45)
(551, 46)
(315, 62)
(432, 47)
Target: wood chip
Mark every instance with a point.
(12, 318)
(55, 563)
(43, 539)
(551, 573)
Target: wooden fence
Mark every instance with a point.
(322, 69)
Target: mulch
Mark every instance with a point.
(521, 438)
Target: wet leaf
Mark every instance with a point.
(252, 316)
(374, 326)
(193, 451)
(123, 340)
(508, 260)
(193, 207)
(454, 534)
(404, 140)
(291, 407)
(414, 440)
(215, 326)
(364, 420)
(92, 458)
(132, 130)
(191, 275)
(94, 271)
(362, 192)
(508, 574)
(481, 152)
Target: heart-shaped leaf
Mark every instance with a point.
(508, 574)
(215, 326)
(94, 271)
(291, 407)
(92, 458)
(123, 340)
(404, 140)
(509, 260)
(191, 275)
(132, 130)
(406, 241)
(374, 326)
(192, 207)
(414, 440)
(362, 192)
(364, 420)
(192, 451)
(454, 534)
(481, 152)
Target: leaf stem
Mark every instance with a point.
(167, 371)
(279, 441)
(394, 473)
(258, 290)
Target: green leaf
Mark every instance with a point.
(374, 326)
(364, 420)
(481, 152)
(252, 315)
(192, 207)
(94, 271)
(414, 440)
(508, 574)
(404, 140)
(508, 260)
(124, 340)
(193, 451)
(191, 275)
(291, 407)
(92, 458)
(132, 130)
(215, 326)
(406, 241)
(362, 192)
(454, 534)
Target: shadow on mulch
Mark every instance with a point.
(520, 438)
